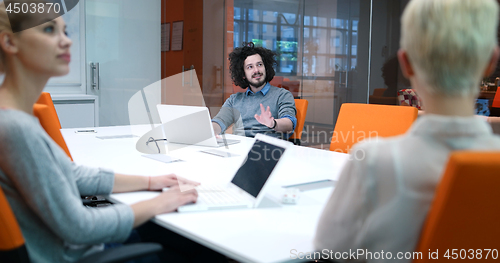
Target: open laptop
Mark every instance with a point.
(248, 186)
(189, 125)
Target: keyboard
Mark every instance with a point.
(218, 195)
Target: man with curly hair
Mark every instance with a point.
(251, 68)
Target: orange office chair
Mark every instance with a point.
(464, 214)
(301, 106)
(496, 99)
(47, 115)
(13, 249)
(46, 99)
(363, 121)
(50, 123)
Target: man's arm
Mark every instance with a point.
(217, 128)
(226, 117)
(287, 112)
(284, 125)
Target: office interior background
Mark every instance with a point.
(329, 52)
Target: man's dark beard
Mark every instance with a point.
(257, 84)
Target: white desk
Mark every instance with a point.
(246, 235)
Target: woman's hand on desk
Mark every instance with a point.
(166, 202)
(162, 181)
(180, 193)
(175, 196)
(129, 183)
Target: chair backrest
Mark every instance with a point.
(46, 99)
(12, 248)
(357, 122)
(496, 99)
(50, 124)
(464, 213)
(301, 106)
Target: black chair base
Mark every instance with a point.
(18, 255)
(123, 253)
(295, 141)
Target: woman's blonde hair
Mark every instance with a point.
(4, 26)
(450, 42)
(16, 22)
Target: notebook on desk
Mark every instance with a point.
(248, 186)
(189, 125)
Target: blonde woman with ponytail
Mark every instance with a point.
(41, 183)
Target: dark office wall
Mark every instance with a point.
(359, 78)
(385, 34)
(385, 37)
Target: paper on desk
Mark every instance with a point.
(162, 158)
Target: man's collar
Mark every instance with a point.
(264, 90)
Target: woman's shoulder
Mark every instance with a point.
(15, 122)
(379, 149)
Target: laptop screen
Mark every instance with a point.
(260, 162)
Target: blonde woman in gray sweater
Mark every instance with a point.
(41, 183)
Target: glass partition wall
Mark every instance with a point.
(329, 51)
(319, 56)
